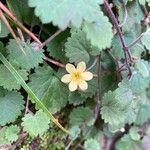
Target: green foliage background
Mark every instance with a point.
(114, 42)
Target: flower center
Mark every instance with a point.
(76, 76)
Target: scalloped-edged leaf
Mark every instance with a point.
(113, 110)
(91, 144)
(78, 46)
(11, 133)
(126, 143)
(75, 98)
(11, 104)
(143, 114)
(143, 67)
(80, 116)
(134, 83)
(30, 59)
(135, 16)
(64, 12)
(133, 132)
(49, 89)
(146, 39)
(99, 32)
(8, 81)
(36, 124)
(3, 140)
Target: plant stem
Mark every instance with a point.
(17, 22)
(50, 38)
(54, 62)
(135, 41)
(97, 107)
(122, 40)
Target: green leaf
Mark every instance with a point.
(64, 12)
(56, 47)
(113, 110)
(3, 140)
(134, 133)
(75, 98)
(36, 124)
(129, 37)
(30, 59)
(126, 143)
(4, 30)
(74, 132)
(135, 16)
(134, 83)
(142, 2)
(99, 32)
(11, 104)
(49, 89)
(146, 39)
(23, 12)
(12, 133)
(91, 144)
(143, 115)
(7, 80)
(80, 116)
(143, 68)
(78, 46)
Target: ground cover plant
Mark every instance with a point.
(74, 74)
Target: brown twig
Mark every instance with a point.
(2, 16)
(54, 62)
(50, 38)
(122, 40)
(18, 23)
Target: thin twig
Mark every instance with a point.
(126, 15)
(93, 64)
(135, 41)
(97, 107)
(122, 40)
(18, 23)
(2, 16)
(68, 146)
(54, 62)
(50, 38)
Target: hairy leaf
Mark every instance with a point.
(99, 32)
(64, 12)
(11, 104)
(113, 110)
(7, 80)
(12, 133)
(49, 89)
(78, 46)
(80, 116)
(30, 59)
(36, 124)
(91, 144)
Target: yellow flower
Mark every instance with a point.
(77, 77)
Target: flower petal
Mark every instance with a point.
(83, 85)
(87, 75)
(81, 66)
(70, 68)
(73, 86)
(66, 78)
